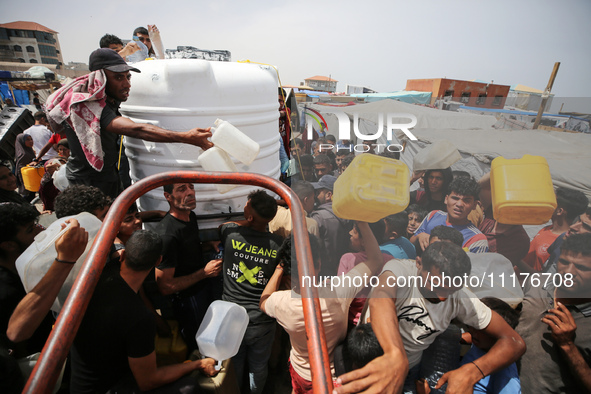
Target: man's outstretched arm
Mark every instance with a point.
(198, 137)
(507, 349)
(385, 374)
(32, 309)
(169, 284)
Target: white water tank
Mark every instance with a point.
(181, 94)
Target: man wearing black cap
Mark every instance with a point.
(334, 231)
(88, 110)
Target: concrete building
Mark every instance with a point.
(30, 43)
(469, 93)
(324, 84)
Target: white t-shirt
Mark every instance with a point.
(420, 321)
(41, 136)
(286, 307)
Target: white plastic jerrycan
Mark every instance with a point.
(215, 159)
(222, 330)
(234, 142)
(36, 260)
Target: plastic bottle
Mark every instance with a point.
(36, 260)
(222, 330)
(371, 188)
(215, 159)
(234, 142)
(140, 55)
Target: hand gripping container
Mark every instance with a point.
(371, 188)
(36, 260)
(222, 330)
(522, 191)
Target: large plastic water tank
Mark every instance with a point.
(181, 94)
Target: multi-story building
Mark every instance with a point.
(470, 93)
(29, 42)
(324, 84)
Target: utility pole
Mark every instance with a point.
(546, 94)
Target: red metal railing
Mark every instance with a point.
(54, 353)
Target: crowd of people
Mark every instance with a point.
(390, 335)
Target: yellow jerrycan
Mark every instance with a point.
(371, 188)
(521, 190)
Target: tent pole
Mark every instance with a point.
(546, 95)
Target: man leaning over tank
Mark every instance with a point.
(88, 110)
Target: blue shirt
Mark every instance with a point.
(505, 381)
(399, 248)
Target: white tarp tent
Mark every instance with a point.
(568, 154)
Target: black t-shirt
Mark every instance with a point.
(11, 293)
(116, 325)
(182, 249)
(250, 258)
(78, 166)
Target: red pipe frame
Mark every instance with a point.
(54, 353)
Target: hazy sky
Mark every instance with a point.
(379, 44)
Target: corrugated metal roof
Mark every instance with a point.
(24, 25)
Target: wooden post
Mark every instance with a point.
(546, 95)
(12, 92)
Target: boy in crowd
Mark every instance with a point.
(460, 201)
(416, 214)
(250, 258)
(569, 205)
(396, 244)
(287, 307)
(407, 315)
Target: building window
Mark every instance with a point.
(18, 48)
(21, 60)
(481, 99)
(33, 61)
(47, 50)
(497, 101)
(448, 93)
(30, 49)
(47, 60)
(465, 98)
(30, 34)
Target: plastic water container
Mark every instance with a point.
(438, 155)
(32, 177)
(181, 94)
(59, 179)
(36, 260)
(234, 142)
(521, 190)
(371, 188)
(140, 55)
(216, 159)
(222, 330)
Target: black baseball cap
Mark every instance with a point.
(108, 59)
(326, 182)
